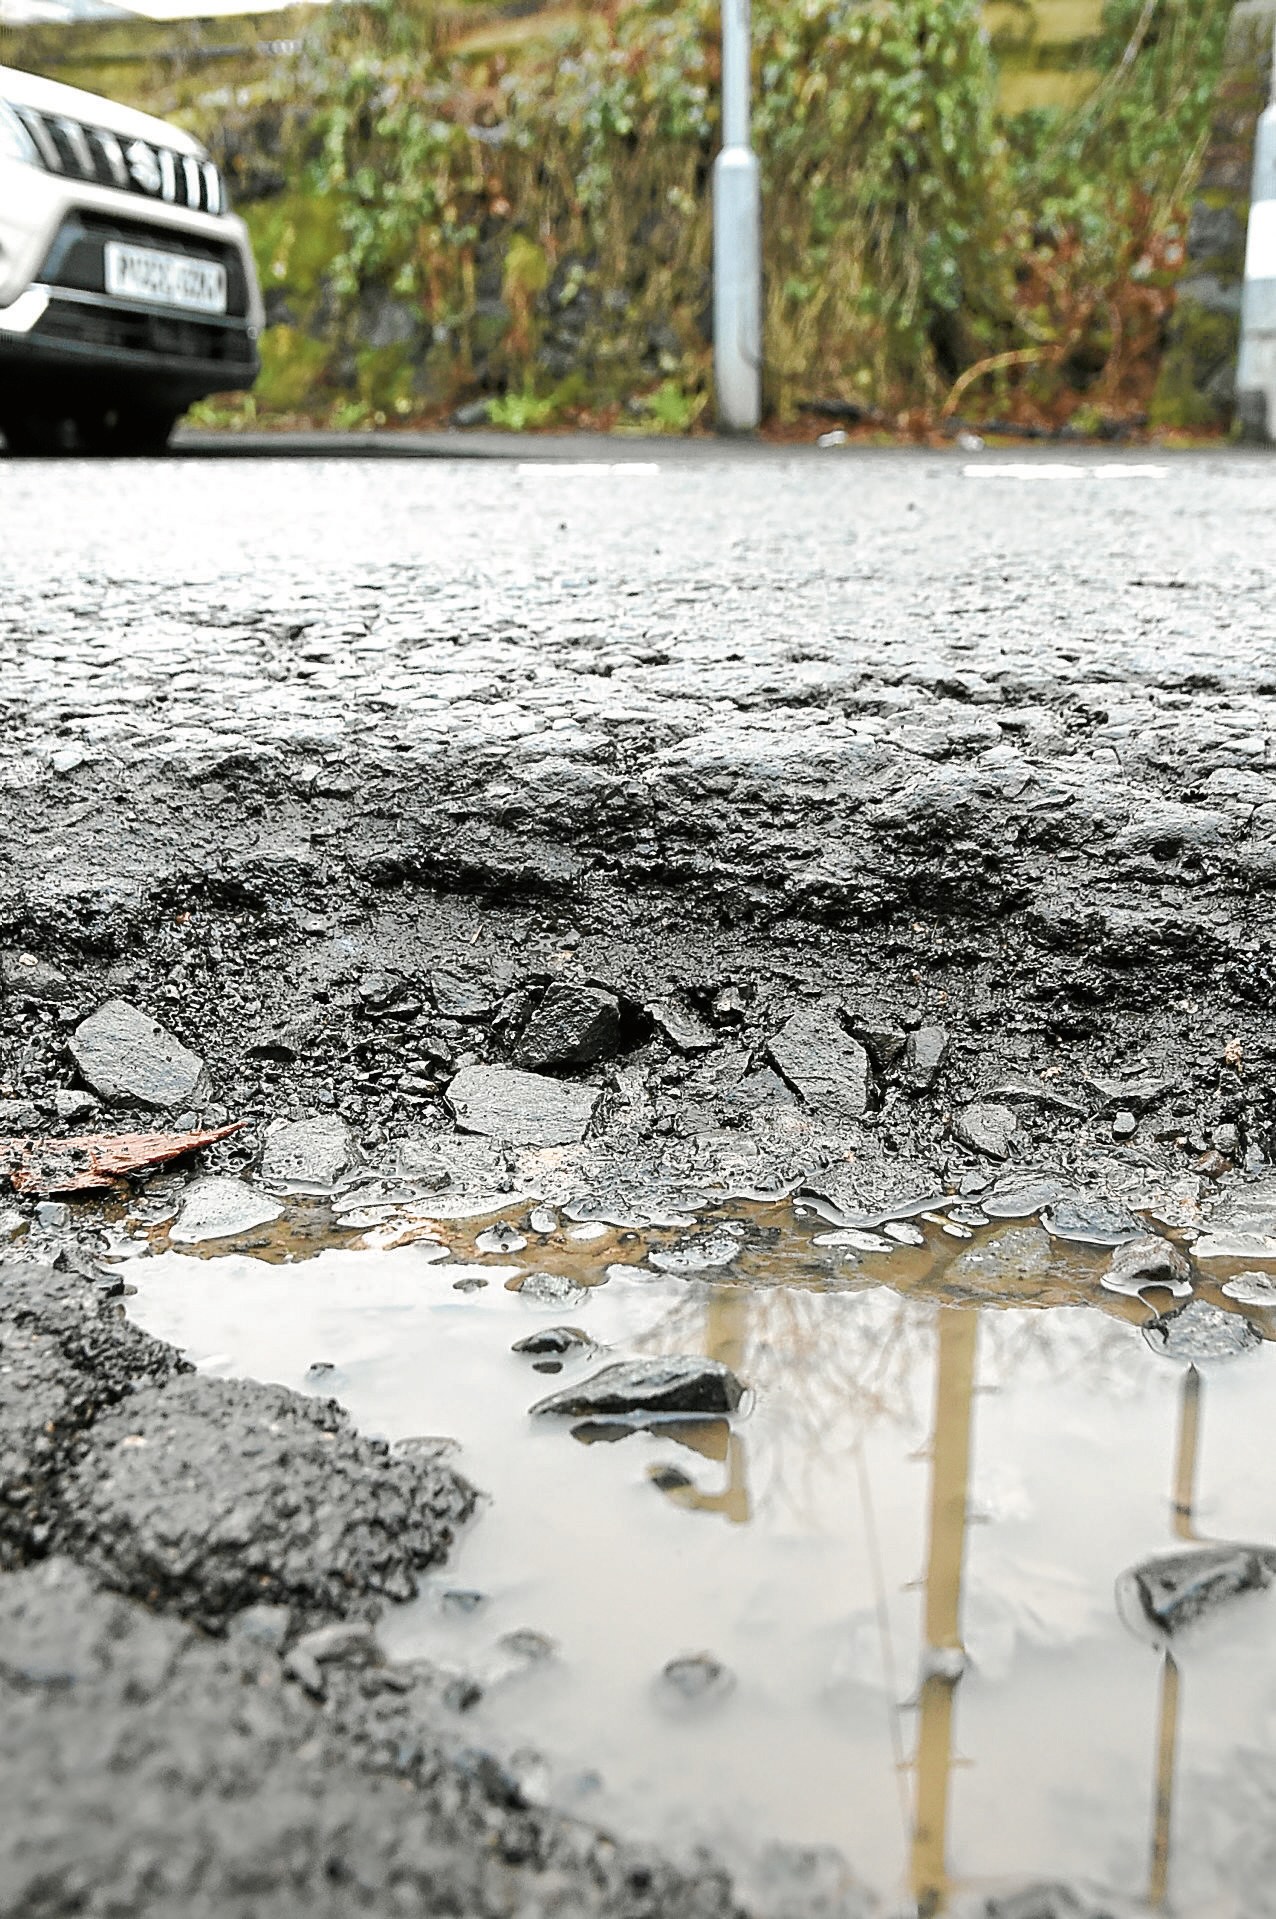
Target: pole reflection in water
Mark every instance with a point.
(943, 1653)
(1182, 1502)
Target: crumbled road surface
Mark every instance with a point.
(873, 824)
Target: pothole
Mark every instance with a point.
(896, 1606)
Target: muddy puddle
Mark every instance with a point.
(885, 1612)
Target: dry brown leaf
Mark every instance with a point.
(92, 1162)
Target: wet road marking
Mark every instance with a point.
(1063, 470)
(577, 467)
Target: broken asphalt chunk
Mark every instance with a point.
(826, 1067)
(523, 1108)
(553, 1342)
(92, 1162)
(1200, 1334)
(129, 1059)
(220, 1207)
(685, 1384)
(1090, 1221)
(986, 1128)
(308, 1155)
(572, 1026)
(681, 1027)
(1148, 1261)
(924, 1053)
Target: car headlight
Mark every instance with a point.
(15, 142)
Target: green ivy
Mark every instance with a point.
(546, 215)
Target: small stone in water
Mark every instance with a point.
(218, 1207)
(461, 1599)
(1199, 1333)
(553, 1341)
(670, 1479)
(525, 1644)
(719, 1247)
(1173, 1590)
(543, 1220)
(683, 1383)
(469, 1283)
(1091, 1222)
(500, 1238)
(428, 1446)
(551, 1289)
(904, 1233)
(852, 1237)
(696, 1677)
(1251, 1289)
(1148, 1261)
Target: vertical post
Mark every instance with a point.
(737, 238)
(1256, 363)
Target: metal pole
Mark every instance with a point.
(737, 239)
(1256, 363)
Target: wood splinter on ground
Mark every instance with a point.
(92, 1162)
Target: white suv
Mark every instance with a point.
(127, 290)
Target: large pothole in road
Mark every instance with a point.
(897, 1605)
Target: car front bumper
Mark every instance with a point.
(57, 321)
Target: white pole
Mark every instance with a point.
(737, 239)
(1256, 362)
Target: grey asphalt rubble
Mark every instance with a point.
(200, 1495)
(274, 1759)
(247, 1794)
(129, 1059)
(922, 754)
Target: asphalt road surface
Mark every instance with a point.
(956, 772)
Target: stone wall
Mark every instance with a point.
(1198, 375)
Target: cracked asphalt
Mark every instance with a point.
(341, 768)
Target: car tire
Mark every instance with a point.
(31, 434)
(126, 429)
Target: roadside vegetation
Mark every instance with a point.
(516, 222)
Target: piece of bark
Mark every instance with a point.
(92, 1162)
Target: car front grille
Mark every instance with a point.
(76, 258)
(147, 334)
(158, 172)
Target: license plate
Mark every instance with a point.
(165, 279)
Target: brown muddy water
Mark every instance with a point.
(890, 1579)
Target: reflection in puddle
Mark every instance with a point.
(874, 1611)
